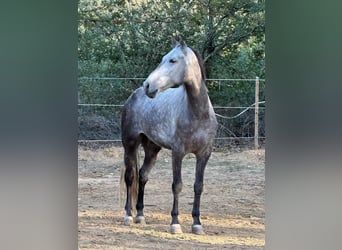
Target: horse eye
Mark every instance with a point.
(172, 61)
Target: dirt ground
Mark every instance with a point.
(232, 204)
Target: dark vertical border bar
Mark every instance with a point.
(38, 125)
(303, 117)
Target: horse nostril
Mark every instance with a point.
(146, 87)
(150, 93)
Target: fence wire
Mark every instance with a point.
(99, 122)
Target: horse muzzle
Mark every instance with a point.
(151, 93)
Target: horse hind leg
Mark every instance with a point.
(151, 151)
(201, 163)
(130, 176)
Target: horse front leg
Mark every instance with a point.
(175, 227)
(201, 163)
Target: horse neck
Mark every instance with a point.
(198, 98)
(195, 86)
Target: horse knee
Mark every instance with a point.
(198, 188)
(143, 178)
(177, 187)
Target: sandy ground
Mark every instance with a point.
(232, 205)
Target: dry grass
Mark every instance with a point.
(232, 205)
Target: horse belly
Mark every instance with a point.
(160, 137)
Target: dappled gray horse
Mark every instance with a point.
(171, 110)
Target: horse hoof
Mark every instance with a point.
(140, 220)
(197, 229)
(128, 220)
(175, 229)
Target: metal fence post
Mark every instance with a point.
(256, 114)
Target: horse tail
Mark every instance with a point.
(122, 186)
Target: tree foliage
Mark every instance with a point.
(127, 38)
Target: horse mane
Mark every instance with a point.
(200, 62)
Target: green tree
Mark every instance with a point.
(122, 38)
(128, 38)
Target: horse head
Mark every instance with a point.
(172, 71)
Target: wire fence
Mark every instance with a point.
(100, 100)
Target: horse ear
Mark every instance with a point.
(182, 43)
(174, 42)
